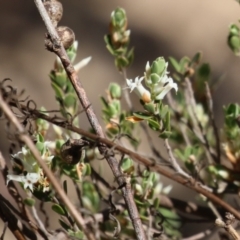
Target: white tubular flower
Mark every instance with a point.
(141, 91)
(28, 181)
(167, 84)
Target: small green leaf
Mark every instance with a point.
(167, 122)
(60, 79)
(104, 102)
(78, 234)
(158, 66)
(119, 18)
(142, 115)
(29, 202)
(163, 111)
(204, 71)
(140, 203)
(196, 59)
(88, 169)
(234, 43)
(156, 202)
(121, 62)
(169, 214)
(150, 107)
(175, 64)
(151, 177)
(40, 146)
(58, 91)
(127, 165)
(234, 30)
(130, 56)
(184, 63)
(64, 225)
(154, 125)
(154, 78)
(165, 134)
(70, 100)
(40, 138)
(58, 209)
(115, 90)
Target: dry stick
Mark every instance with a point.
(82, 96)
(27, 140)
(227, 225)
(196, 186)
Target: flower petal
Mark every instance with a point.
(169, 85)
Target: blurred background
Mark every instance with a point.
(158, 28)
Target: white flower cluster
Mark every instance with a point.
(28, 180)
(161, 85)
(34, 176)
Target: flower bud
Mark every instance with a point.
(119, 19)
(66, 35)
(55, 11)
(115, 91)
(159, 67)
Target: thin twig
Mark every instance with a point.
(43, 211)
(150, 223)
(214, 126)
(227, 225)
(38, 220)
(27, 140)
(94, 122)
(197, 125)
(125, 92)
(174, 162)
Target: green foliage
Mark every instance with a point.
(58, 209)
(234, 39)
(127, 165)
(64, 91)
(114, 117)
(90, 198)
(191, 156)
(186, 119)
(231, 134)
(118, 39)
(29, 202)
